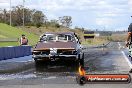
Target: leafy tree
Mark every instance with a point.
(66, 21)
(38, 18)
(54, 23)
(17, 15)
(31, 17)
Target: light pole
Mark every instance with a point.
(23, 15)
(10, 13)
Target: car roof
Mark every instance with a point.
(60, 33)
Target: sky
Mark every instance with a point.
(111, 15)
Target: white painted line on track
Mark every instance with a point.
(119, 45)
(55, 77)
(51, 77)
(129, 63)
(127, 59)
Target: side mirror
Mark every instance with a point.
(42, 39)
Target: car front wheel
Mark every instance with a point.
(82, 60)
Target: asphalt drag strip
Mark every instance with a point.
(97, 61)
(16, 65)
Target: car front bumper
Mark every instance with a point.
(53, 56)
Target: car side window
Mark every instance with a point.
(76, 37)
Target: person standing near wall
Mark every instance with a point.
(23, 40)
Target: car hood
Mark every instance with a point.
(43, 45)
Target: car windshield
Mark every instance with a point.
(57, 37)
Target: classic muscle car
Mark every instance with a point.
(54, 46)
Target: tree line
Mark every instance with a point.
(32, 17)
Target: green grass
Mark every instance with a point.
(95, 41)
(3, 44)
(7, 31)
(33, 33)
(2, 36)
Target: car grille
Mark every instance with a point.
(65, 52)
(47, 52)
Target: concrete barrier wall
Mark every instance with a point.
(14, 52)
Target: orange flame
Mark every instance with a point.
(81, 71)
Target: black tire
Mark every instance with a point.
(78, 60)
(36, 61)
(82, 60)
(81, 80)
(130, 71)
(77, 63)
